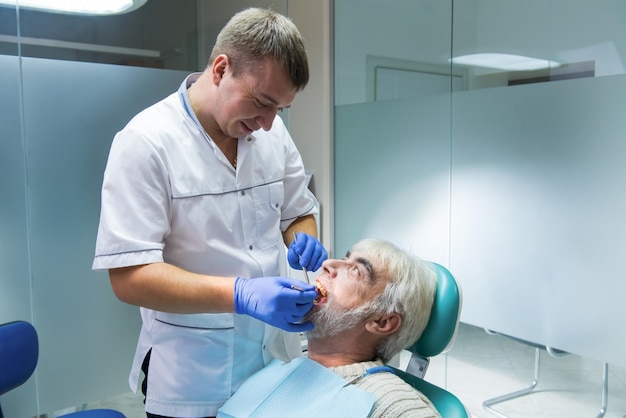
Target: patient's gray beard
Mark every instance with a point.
(330, 321)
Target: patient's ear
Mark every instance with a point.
(384, 325)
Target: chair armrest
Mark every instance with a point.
(448, 405)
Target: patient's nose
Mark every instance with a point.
(329, 266)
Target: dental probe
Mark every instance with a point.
(306, 274)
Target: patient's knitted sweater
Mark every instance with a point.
(394, 397)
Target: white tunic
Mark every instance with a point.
(170, 195)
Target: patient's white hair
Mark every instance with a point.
(410, 292)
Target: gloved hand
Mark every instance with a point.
(274, 301)
(306, 251)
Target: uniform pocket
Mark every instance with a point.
(268, 201)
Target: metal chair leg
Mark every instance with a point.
(493, 401)
(605, 389)
(503, 398)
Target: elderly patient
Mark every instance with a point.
(370, 305)
(373, 303)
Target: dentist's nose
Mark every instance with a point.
(266, 119)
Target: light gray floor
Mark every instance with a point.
(481, 366)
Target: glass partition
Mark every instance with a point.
(135, 38)
(69, 83)
(537, 163)
(488, 135)
(75, 311)
(15, 286)
(59, 116)
(392, 48)
(392, 122)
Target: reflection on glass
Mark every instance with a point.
(576, 38)
(136, 38)
(583, 37)
(507, 62)
(8, 30)
(408, 41)
(96, 7)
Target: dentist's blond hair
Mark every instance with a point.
(255, 34)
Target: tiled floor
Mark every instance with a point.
(482, 366)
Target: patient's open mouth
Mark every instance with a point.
(321, 293)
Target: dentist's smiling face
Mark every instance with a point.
(251, 100)
(348, 284)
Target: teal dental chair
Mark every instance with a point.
(438, 338)
(19, 353)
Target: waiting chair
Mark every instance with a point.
(437, 338)
(19, 353)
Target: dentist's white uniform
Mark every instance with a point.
(170, 195)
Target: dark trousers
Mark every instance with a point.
(144, 384)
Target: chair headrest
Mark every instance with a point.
(19, 351)
(440, 332)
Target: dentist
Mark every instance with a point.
(201, 194)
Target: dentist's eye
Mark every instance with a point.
(259, 104)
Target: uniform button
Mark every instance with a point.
(243, 192)
(276, 204)
(250, 247)
(264, 348)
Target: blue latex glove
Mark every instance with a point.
(274, 301)
(306, 251)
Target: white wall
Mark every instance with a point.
(310, 118)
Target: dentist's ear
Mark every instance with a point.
(219, 67)
(384, 324)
